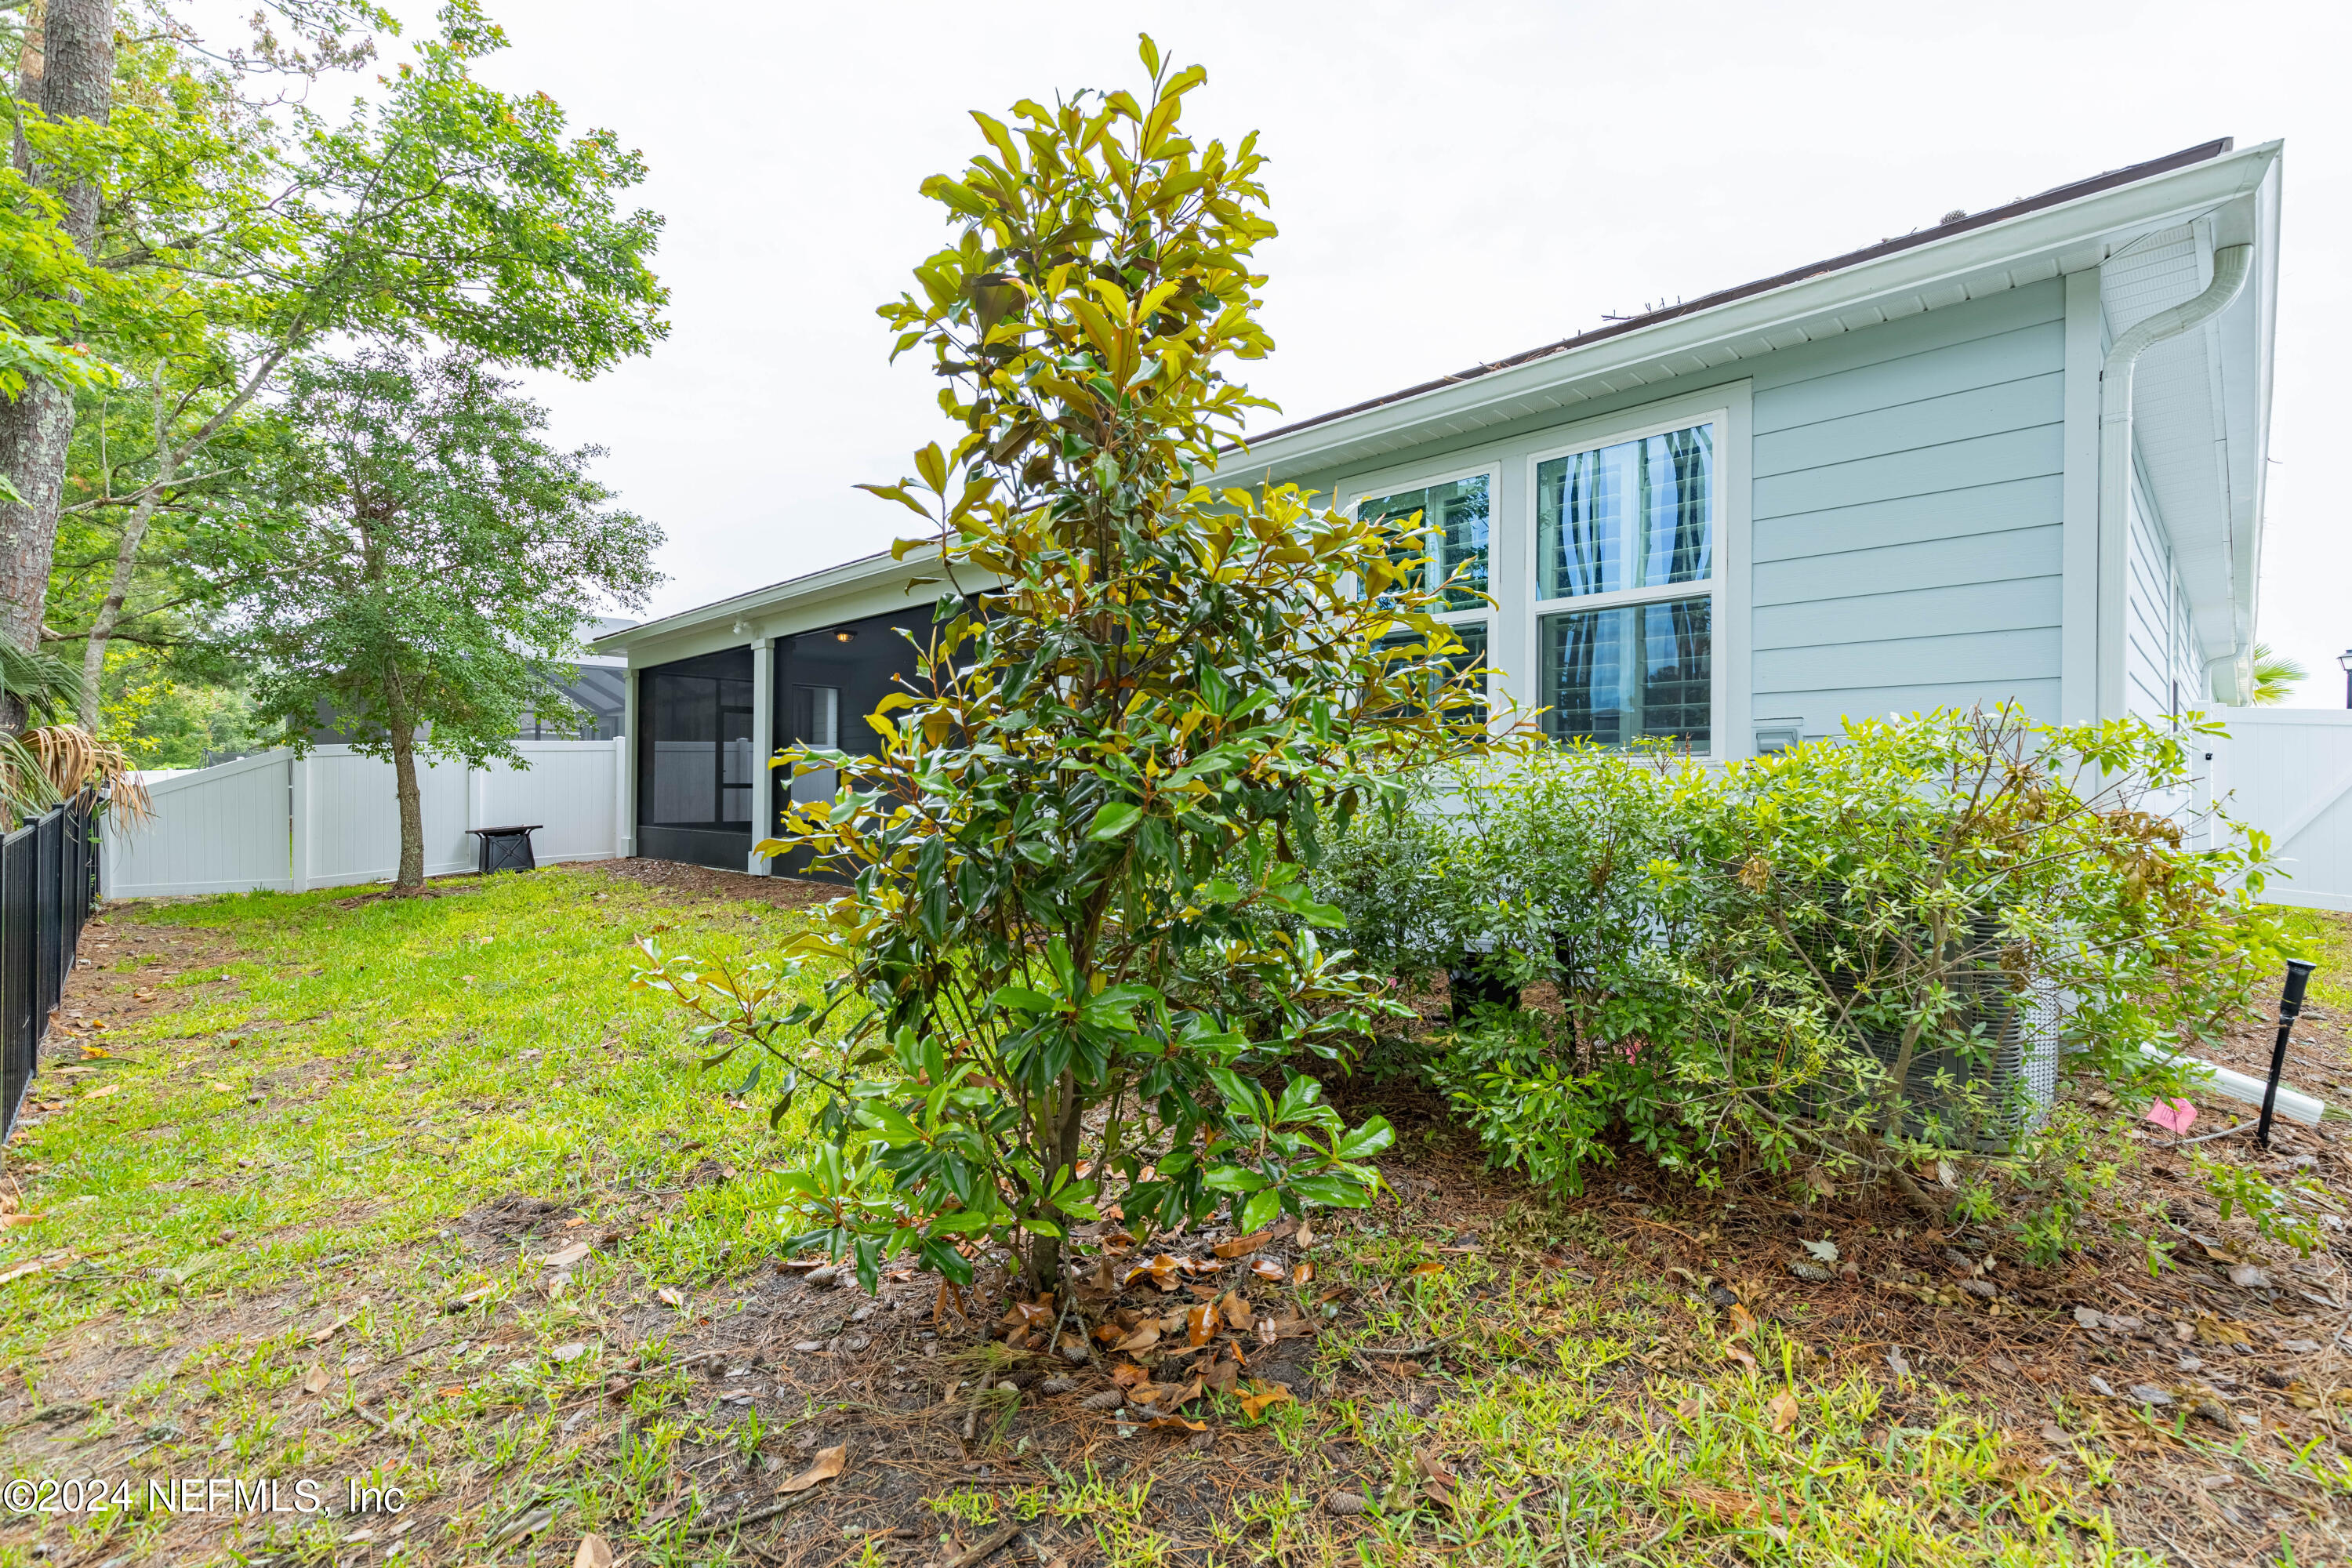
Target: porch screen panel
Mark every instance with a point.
(702, 767)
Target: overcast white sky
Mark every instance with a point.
(1452, 183)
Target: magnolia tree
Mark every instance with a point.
(1081, 965)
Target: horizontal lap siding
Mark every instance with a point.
(1906, 515)
(2161, 673)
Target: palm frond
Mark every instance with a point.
(2275, 675)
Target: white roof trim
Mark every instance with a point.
(2019, 250)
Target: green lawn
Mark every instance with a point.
(319, 1129)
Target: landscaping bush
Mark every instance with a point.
(1860, 954)
(1080, 963)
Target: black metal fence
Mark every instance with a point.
(48, 885)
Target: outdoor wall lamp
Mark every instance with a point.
(2344, 660)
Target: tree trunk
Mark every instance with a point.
(411, 876)
(76, 81)
(34, 433)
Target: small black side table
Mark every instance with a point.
(506, 849)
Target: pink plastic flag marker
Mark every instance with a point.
(2175, 1116)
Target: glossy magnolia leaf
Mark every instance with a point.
(1114, 820)
(1261, 1209)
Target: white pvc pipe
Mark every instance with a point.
(2211, 1077)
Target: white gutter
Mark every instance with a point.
(2231, 267)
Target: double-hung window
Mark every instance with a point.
(1627, 563)
(1454, 538)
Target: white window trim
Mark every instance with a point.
(1514, 679)
(1728, 686)
(1414, 480)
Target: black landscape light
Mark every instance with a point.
(2344, 660)
(2298, 975)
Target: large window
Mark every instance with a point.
(1452, 538)
(700, 771)
(1452, 534)
(1625, 571)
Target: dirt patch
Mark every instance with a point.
(681, 879)
(427, 891)
(513, 1218)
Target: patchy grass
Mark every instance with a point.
(331, 1087)
(294, 1225)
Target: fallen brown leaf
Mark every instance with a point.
(315, 1382)
(1142, 1339)
(565, 1257)
(1200, 1325)
(669, 1295)
(1267, 1269)
(1783, 1406)
(1242, 1244)
(1434, 1474)
(829, 1462)
(596, 1552)
(1126, 1374)
(1236, 1310)
(1739, 1354)
(1262, 1396)
(1428, 1270)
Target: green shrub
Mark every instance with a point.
(1860, 954)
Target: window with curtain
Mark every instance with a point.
(1631, 528)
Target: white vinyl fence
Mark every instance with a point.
(330, 819)
(2288, 770)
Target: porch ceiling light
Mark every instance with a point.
(2344, 661)
(847, 635)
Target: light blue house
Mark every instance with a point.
(2016, 456)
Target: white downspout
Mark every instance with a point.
(2230, 265)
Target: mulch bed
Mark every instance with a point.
(681, 879)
